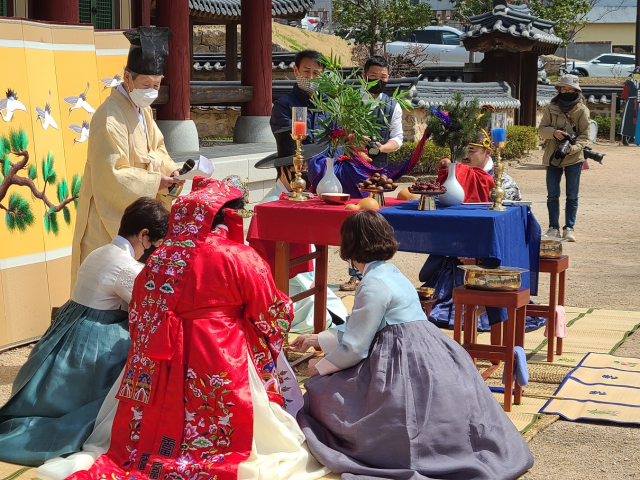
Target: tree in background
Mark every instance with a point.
(373, 21)
(18, 212)
(405, 64)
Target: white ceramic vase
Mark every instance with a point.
(455, 192)
(329, 183)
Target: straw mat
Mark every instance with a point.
(602, 387)
(594, 330)
(9, 471)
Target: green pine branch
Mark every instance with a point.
(466, 123)
(18, 211)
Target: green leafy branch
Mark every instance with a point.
(371, 22)
(349, 120)
(466, 121)
(18, 210)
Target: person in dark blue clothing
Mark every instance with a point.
(307, 67)
(390, 134)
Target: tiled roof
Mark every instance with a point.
(515, 20)
(230, 9)
(496, 94)
(217, 61)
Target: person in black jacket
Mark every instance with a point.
(307, 67)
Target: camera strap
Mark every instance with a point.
(573, 125)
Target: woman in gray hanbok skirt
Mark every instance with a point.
(394, 397)
(58, 392)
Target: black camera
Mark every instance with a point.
(372, 147)
(565, 145)
(588, 153)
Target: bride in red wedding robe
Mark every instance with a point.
(202, 391)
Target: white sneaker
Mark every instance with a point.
(568, 235)
(553, 232)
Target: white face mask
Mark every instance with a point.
(143, 98)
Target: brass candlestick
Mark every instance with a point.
(298, 184)
(497, 193)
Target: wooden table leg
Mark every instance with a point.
(521, 319)
(561, 302)
(470, 327)
(551, 319)
(282, 267)
(320, 297)
(509, 342)
(496, 338)
(457, 323)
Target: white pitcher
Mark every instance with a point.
(329, 183)
(455, 192)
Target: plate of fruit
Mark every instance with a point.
(378, 183)
(429, 187)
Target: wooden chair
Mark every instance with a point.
(503, 339)
(556, 267)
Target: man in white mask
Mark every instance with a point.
(307, 67)
(126, 156)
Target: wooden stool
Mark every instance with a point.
(555, 267)
(466, 300)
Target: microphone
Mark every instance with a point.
(187, 167)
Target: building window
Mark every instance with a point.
(100, 13)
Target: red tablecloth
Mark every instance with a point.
(312, 221)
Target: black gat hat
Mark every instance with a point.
(149, 49)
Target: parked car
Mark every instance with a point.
(605, 65)
(312, 23)
(441, 43)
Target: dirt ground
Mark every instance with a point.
(603, 274)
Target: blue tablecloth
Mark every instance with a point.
(509, 238)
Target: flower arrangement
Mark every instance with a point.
(348, 121)
(457, 124)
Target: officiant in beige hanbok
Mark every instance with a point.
(127, 158)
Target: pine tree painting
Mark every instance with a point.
(18, 212)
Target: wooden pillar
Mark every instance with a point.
(65, 11)
(175, 15)
(256, 53)
(145, 13)
(140, 13)
(494, 70)
(62, 11)
(231, 51)
(191, 72)
(117, 20)
(528, 88)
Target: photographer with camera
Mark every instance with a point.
(565, 128)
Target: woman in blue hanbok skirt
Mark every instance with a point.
(58, 392)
